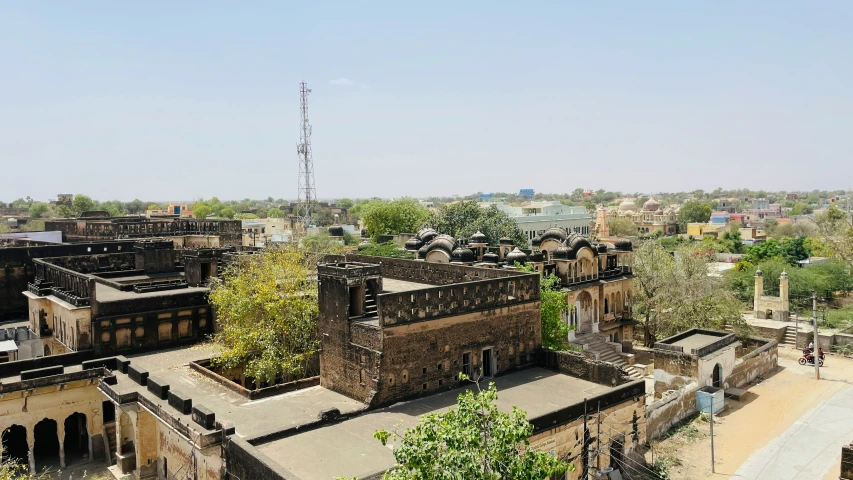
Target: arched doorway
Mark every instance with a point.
(717, 376)
(76, 442)
(15, 447)
(46, 350)
(585, 313)
(46, 447)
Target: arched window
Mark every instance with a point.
(606, 306)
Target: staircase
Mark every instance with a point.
(369, 303)
(110, 444)
(790, 337)
(597, 344)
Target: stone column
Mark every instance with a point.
(31, 441)
(60, 432)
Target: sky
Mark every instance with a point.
(184, 100)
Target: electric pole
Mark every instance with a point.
(307, 189)
(816, 349)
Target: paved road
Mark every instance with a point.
(809, 448)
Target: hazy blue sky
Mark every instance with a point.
(180, 100)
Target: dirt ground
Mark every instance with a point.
(766, 411)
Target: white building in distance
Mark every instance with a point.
(533, 218)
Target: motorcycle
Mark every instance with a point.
(808, 358)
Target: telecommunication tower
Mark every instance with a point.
(307, 190)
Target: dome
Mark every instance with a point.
(426, 234)
(414, 244)
(516, 255)
(651, 205)
(505, 241)
(478, 237)
(336, 231)
(443, 242)
(462, 254)
(555, 233)
(602, 248)
(576, 242)
(563, 253)
(536, 242)
(626, 205)
(490, 258)
(422, 252)
(659, 212)
(537, 256)
(623, 244)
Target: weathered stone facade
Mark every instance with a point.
(230, 232)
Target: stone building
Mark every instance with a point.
(705, 357)
(391, 329)
(649, 219)
(99, 226)
(122, 301)
(597, 280)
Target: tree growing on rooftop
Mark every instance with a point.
(474, 441)
(201, 210)
(275, 213)
(266, 307)
(382, 217)
(227, 212)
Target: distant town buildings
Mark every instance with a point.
(652, 217)
(533, 218)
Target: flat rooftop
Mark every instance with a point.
(696, 341)
(106, 293)
(250, 417)
(391, 285)
(349, 449)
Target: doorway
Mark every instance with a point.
(717, 378)
(46, 447)
(616, 448)
(487, 362)
(76, 442)
(15, 447)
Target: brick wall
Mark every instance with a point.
(674, 370)
(579, 366)
(758, 363)
(426, 357)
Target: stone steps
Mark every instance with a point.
(596, 344)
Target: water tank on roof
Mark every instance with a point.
(12, 222)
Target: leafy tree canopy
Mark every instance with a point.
(621, 227)
(227, 212)
(382, 217)
(39, 210)
(463, 219)
(693, 212)
(275, 213)
(201, 210)
(82, 203)
(387, 249)
(474, 441)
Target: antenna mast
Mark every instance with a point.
(307, 190)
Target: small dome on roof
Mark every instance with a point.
(562, 253)
(555, 233)
(626, 205)
(478, 237)
(422, 252)
(536, 241)
(651, 205)
(659, 212)
(336, 231)
(414, 243)
(490, 257)
(537, 256)
(516, 256)
(623, 244)
(426, 234)
(602, 248)
(576, 242)
(505, 241)
(462, 254)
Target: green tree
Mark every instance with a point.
(381, 217)
(266, 306)
(201, 210)
(82, 203)
(387, 249)
(227, 212)
(621, 227)
(763, 251)
(794, 250)
(474, 441)
(674, 293)
(62, 211)
(731, 242)
(245, 216)
(153, 206)
(463, 219)
(835, 230)
(693, 212)
(275, 213)
(553, 307)
(345, 203)
(39, 210)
